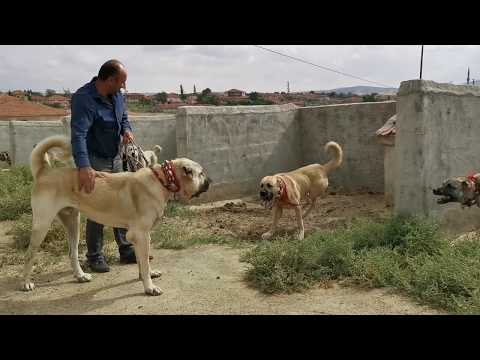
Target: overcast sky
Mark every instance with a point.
(155, 68)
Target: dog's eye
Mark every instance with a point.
(269, 185)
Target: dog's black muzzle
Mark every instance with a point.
(203, 188)
(446, 197)
(265, 195)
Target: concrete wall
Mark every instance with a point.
(438, 132)
(25, 134)
(4, 136)
(389, 171)
(156, 130)
(238, 145)
(19, 136)
(353, 127)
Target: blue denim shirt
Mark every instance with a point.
(96, 125)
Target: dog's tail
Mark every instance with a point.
(37, 157)
(157, 149)
(338, 158)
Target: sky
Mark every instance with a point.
(156, 68)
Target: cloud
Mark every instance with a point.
(153, 68)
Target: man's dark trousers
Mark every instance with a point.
(94, 231)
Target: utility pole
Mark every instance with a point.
(421, 64)
(288, 87)
(468, 76)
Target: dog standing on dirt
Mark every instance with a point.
(461, 189)
(288, 190)
(144, 196)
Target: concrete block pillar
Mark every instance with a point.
(438, 132)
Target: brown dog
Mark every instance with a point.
(288, 190)
(132, 200)
(460, 189)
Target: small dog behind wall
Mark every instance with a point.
(152, 155)
(149, 158)
(288, 190)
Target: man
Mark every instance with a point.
(99, 121)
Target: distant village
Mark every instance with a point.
(166, 102)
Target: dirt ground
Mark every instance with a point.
(12, 107)
(248, 219)
(206, 279)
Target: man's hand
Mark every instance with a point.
(127, 137)
(86, 179)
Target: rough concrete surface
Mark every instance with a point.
(437, 137)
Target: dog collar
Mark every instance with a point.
(471, 178)
(472, 181)
(474, 186)
(172, 185)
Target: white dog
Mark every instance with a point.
(152, 155)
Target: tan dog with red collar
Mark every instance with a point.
(289, 190)
(132, 200)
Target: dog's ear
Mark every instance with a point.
(188, 172)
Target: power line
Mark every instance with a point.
(322, 67)
(421, 64)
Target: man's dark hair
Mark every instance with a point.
(109, 69)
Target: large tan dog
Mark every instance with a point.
(132, 200)
(289, 190)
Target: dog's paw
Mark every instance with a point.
(154, 291)
(84, 278)
(155, 274)
(27, 286)
(300, 235)
(267, 235)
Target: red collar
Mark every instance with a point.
(283, 192)
(474, 186)
(471, 177)
(472, 180)
(172, 185)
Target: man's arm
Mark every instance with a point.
(81, 121)
(125, 123)
(126, 129)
